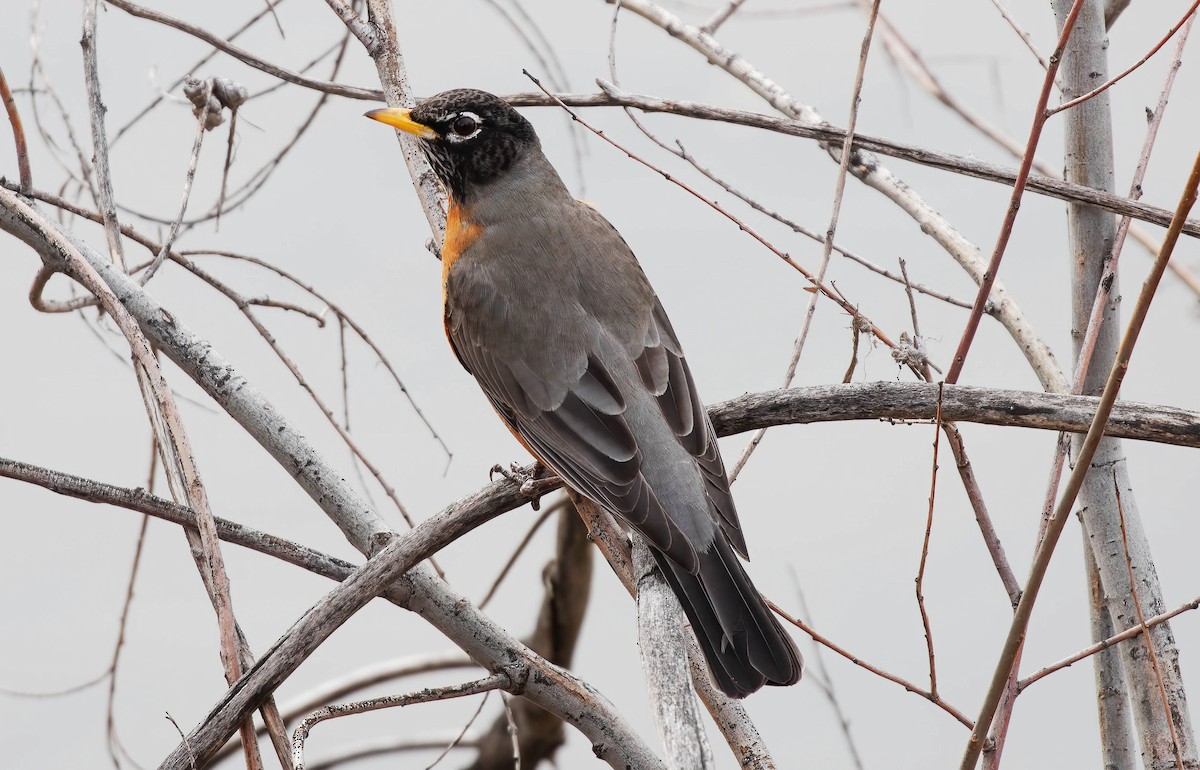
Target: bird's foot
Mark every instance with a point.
(534, 481)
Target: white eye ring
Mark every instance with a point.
(454, 136)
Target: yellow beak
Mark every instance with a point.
(402, 119)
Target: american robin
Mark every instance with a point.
(548, 308)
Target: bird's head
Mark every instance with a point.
(471, 137)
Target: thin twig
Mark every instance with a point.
(291, 278)
(812, 235)
(43, 305)
(462, 733)
(516, 554)
(512, 730)
(991, 539)
(907, 685)
(827, 678)
(920, 581)
(1021, 33)
(721, 16)
(245, 307)
(1113, 81)
(493, 682)
(190, 71)
(1104, 644)
(830, 231)
(110, 704)
(202, 118)
(14, 120)
(873, 173)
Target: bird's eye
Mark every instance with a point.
(464, 125)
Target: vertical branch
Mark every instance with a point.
(665, 661)
(389, 63)
(1093, 235)
(96, 110)
(1118, 749)
(1141, 617)
(730, 716)
(1087, 452)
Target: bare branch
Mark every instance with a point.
(501, 680)
(244, 56)
(96, 111)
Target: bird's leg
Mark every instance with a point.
(534, 481)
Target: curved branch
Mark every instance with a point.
(960, 403)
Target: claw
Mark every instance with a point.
(533, 483)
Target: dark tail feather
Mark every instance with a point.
(742, 641)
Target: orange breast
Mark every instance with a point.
(461, 232)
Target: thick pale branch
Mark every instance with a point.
(961, 403)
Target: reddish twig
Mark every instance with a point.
(1104, 644)
(14, 120)
(933, 698)
(1113, 81)
(1014, 203)
(920, 581)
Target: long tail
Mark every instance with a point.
(744, 644)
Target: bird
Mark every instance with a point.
(548, 308)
